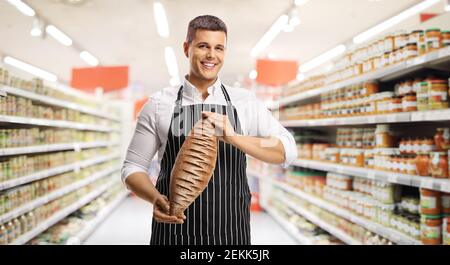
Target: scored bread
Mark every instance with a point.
(194, 166)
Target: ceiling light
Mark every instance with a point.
(294, 21)
(58, 35)
(171, 62)
(38, 28)
(89, 58)
(270, 35)
(300, 2)
(323, 58)
(253, 75)
(161, 19)
(30, 69)
(393, 21)
(447, 5)
(22, 7)
(288, 27)
(301, 77)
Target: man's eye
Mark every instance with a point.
(219, 48)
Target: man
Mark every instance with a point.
(221, 214)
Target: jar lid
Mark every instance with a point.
(433, 29)
(417, 31)
(426, 216)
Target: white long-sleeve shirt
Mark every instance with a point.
(154, 121)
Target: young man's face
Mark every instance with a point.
(206, 53)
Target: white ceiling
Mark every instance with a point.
(122, 32)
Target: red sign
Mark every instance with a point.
(108, 78)
(276, 73)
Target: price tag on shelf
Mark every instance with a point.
(2, 91)
(445, 186)
(392, 118)
(372, 119)
(77, 147)
(427, 183)
(393, 178)
(444, 52)
(371, 174)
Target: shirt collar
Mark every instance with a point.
(192, 91)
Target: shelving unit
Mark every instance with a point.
(62, 214)
(90, 227)
(56, 170)
(54, 102)
(385, 232)
(56, 194)
(430, 60)
(392, 177)
(290, 228)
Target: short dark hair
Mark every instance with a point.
(206, 22)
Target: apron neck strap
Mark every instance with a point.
(224, 91)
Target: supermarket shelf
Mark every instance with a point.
(53, 147)
(418, 116)
(317, 221)
(289, 227)
(386, 176)
(93, 224)
(62, 214)
(55, 102)
(54, 123)
(56, 194)
(55, 171)
(385, 232)
(389, 73)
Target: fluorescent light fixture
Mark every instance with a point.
(323, 58)
(59, 35)
(253, 75)
(161, 19)
(301, 77)
(393, 21)
(23, 8)
(288, 27)
(38, 28)
(30, 69)
(270, 35)
(89, 58)
(36, 32)
(300, 2)
(171, 62)
(294, 21)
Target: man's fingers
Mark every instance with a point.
(165, 218)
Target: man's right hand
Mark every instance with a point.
(161, 211)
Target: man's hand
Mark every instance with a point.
(161, 211)
(223, 127)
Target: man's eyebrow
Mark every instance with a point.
(201, 43)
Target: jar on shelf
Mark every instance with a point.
(446, 230)
(427, 145)
(409, 102)
(423, 97)
(442, 139)
(445, 203)
(414, 37)
(384, 136)
(437, 94)
(395, 104)
(446, 38)
(411, 168)
(431, 228)
(439, 165)
(430, 202)
(433, 39)
(423, 164)
(368, 158)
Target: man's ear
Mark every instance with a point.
(186, 49)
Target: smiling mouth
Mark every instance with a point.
(209, 66)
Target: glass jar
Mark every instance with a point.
(445, 203)
(384, 136)
(395, 104)
(445, 38)
(437, 94)
(423, 164)
(442, 139)
(409, 102)
(422, 97)
(414, 37)
(430, 202)
(439, 165)
(433, 39)
(446, 230)
(431, 227)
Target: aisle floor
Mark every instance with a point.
(130, 224)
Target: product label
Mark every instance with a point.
(435, 160)
(445, 201)
(409, 104)
(440, 96)
(431, 232)
(428, 202)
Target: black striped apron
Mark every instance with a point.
(221, 214)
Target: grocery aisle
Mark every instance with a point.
(130, 224)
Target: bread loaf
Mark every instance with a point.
(194, 166)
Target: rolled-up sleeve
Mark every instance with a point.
(263, 124)
(145, 142)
